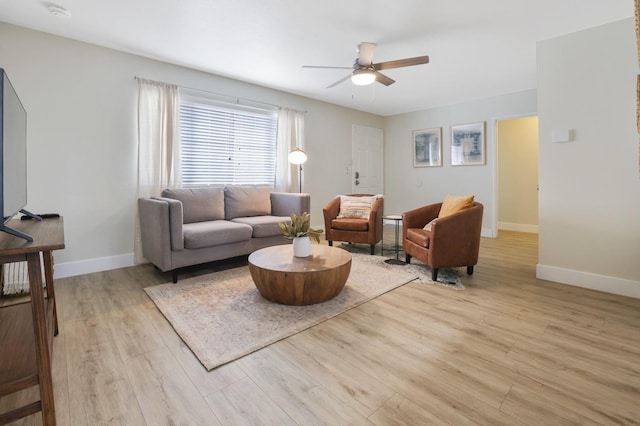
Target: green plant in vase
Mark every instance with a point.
(300, 232)
(300, 227)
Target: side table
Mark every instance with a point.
(397, 219)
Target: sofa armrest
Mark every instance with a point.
(155, 232)
(285, 203)
(330, 212)
(176, 219)
(375, 219)
(418, 218)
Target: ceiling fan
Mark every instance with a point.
(366, 72)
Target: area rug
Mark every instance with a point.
(447, 277)
(222, 316)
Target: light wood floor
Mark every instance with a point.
(508, 350)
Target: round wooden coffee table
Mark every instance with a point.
(283, 278)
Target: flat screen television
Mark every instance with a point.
(13, 156)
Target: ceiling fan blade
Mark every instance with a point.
(365, 53)
(339, 81)
(381, 78)
(418, 60)
(320, 66)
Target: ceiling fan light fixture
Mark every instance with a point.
(363, 77)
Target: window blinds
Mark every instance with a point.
(226, 144)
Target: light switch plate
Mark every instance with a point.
(561, 135)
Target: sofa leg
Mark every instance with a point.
(407, 258)
(470, 270)
(330, 243)
(174, 275)
(373, 248)
(434, 274)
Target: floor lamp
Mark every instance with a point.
(298, 156)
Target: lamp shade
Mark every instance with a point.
(363, 77)
(297, 156)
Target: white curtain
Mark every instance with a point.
(158, 144)
(290, 136)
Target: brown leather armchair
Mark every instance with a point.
(453, 240)
(364, 231)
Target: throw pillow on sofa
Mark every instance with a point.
(199, 204)
(245, 201)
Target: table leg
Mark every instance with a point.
(397, 232)
(43, 356)
(397, 260)
(47, 258)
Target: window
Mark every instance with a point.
(226, 144)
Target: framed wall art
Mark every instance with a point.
(468, 144)
(427, 147)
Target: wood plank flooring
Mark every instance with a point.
(508, 350)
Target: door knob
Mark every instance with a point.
(357, 175)
(357, 182)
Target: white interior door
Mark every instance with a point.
(367, 160)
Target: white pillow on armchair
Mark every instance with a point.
(354, 207)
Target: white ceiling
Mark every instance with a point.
(477, 48)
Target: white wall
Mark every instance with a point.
(590, 188)
(81, 111)
(407, 187)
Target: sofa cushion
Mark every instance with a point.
(214, 233)
(354, 207)
(419, 236)
(360, 225)
(245, 201)
(264, 226)
(199, 204)
(453, 204)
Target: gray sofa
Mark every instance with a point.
(187, 227)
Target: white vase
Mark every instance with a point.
(301, 246)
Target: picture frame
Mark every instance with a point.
(427, 147)
(468, 144)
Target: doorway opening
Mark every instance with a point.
(517, 174)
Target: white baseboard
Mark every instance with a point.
(588, 280)
(81, 267)
(518, 227)
(487, 232)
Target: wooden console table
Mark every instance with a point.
(27, 329)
